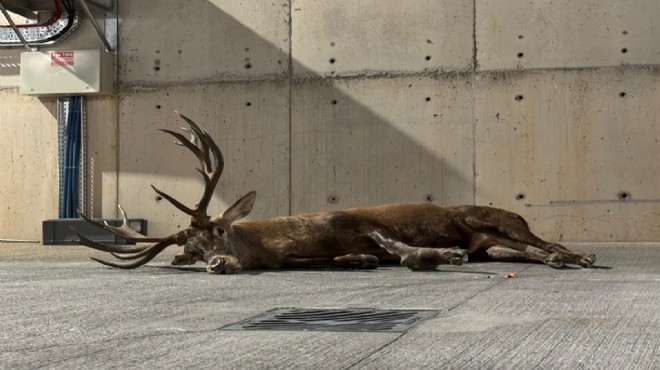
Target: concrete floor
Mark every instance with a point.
(60, 310)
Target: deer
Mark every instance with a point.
(418, 236)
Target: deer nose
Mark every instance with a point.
(216, 266)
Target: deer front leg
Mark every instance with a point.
(417, 258)
(183, 258)
(354, 261)
(357, 261)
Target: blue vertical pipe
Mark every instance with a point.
(72, 142)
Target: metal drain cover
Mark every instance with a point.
(349, 319)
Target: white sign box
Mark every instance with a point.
(66, 72)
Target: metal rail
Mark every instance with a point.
(96, 25)
(13, 26)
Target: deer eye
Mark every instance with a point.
(219, 231)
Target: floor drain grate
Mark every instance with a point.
(349, 319)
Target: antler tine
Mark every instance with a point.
(186, 142)
(131, 256)
(182, 207)
(145, 253)
(149, 254)
(212, 170)
(123, 231)
(108, 248)
(205, 141)
(193, 137)
(211, 161)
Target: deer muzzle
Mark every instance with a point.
(223, 265)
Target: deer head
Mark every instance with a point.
(209, 239)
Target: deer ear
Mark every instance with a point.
(241, 208)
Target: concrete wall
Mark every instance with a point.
(548, 109)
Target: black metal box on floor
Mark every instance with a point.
(59, 231)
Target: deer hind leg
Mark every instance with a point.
(584, 260)
(506, 254)
(417, 258)
(505, 250)
(520, 233)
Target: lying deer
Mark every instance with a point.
(419, 236)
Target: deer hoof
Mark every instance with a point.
(555, 260)
(458, 257)
(369, 261)
(587, 261)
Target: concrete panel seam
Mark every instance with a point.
(356, 363)
(146, 86)
(367, 74)
(290, 73)
(475, 61)
(532, 71)
(142, 86)
(433, 74)
(622, 67)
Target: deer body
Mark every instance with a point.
(419, 236)
(278, 242)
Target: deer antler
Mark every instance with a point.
(211, 162)
(211, 167)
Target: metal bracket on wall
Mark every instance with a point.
(112, 26)
(101, 33)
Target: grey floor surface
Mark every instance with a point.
(62, 311)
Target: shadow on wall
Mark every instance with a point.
(318, 143)
(303, 141)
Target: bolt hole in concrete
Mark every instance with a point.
(428, 197)
(428, 57)
(158, 106)
(158, 198)
(248, 65)
(520, 55)
(248, 104)
(333, 199)
(624, 50)
(521, 196)
(332, 60)
(622, 94)
(518, 97)
(334, 102)
(428, 98)
(624, 195)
